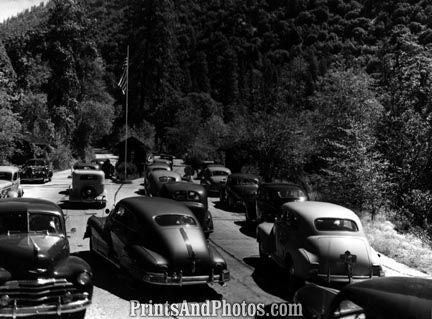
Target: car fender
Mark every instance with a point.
(147, 257)
(265, 235)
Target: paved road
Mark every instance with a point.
(114, 290)
(250, 281)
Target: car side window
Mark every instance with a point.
(126, 218)
(15, 176)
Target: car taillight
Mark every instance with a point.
(4, 300)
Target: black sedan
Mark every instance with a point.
(240, 190)
(158, 241)
(387, 297)
(38, 277)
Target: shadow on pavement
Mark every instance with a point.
(119, 283)
(246, 228)
(80, 206)
(272, 279)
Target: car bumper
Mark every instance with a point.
(58, 309)
(342, 278)
(180, 280)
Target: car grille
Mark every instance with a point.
(37, 292)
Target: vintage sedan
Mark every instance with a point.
(37, 169)
(240, 190)
(270, 197)
(156, 179)
(317, 240)
(38, 276)
(156, 167)
(88, 187)
(194, 197)
(10, 182)
(389, 297)
(158, 241)
(214, 178)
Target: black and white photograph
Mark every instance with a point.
(216, 159)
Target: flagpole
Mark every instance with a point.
(127, 102)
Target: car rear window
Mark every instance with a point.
(291, 193)
(219, 173)
(335, 224)
(175, 220)
(247, 181)
(88, 177)
(166, 179)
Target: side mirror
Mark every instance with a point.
(107, 211)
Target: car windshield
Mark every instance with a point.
(219, 173)
(36, 162)
(175, 220)
(335, 224)
(6, 176)
(291, 193)
(247, 181)
(16, 222)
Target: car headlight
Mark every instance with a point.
(83, 278)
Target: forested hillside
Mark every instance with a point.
(335, 94)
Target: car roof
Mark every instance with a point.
(401, 297)
(244, 175)
(148, 207)
(310, 210)
(28, 204)
(161, 173)
(9, 168)
(172, 187)
(218, 168)
(278, 186)
(88, 172)
(159, 164)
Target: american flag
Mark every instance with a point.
(123, 83)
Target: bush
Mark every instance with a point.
(131, 170)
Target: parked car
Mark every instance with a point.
(156, 167)
(88, 187)
(389, 297)
(38, 276)
(317, 240)
(194, 197)
(214, 178)
(37, 169)
(10, 185)
(270, 197)
(156, 179)
(158, 241)
(240, 190)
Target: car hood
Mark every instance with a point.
(184, 246)
(26, 254)
(4, 183)
(330, 248)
